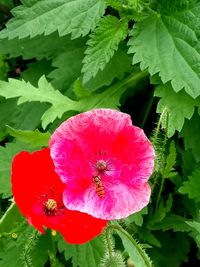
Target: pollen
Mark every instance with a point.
(50, 206)
(101, 165)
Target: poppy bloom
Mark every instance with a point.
(105, 163)
(38, 191)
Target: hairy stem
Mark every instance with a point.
(164, 160)
(108, 242)
(117, 227)
(155, 141)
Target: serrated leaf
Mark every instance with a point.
(38, 47)
(86, 255)
(196, 231)
(110, 72)
(166, 43)
(192, 186)
(35, 70)
(148, 237)
(162, 211)
(65, 16)
(68, 68)
(60, 104)
(6, 155)
(178, 105)
(191, 136)
(23, 251)
(173, 252)
(170, 162)
(102, 45)
(45, 93)
(33, 138)
(137, 217)
(172, 222)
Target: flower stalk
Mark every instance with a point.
(117, 227)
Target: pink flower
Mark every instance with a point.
(105, 163)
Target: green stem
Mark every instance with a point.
(109, 244)
(154, 141)
(164, 160)
(155, 138)
(134, 243)
(28, 247)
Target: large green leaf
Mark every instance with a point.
(106, 76)
(65, 16)
(68, 67)
(166, 42)
(191, 136)
(6, 155)
(33, 138)
(86, 255)
(60, 104)
(135, 252)
(45, 93)
(192, 186)
(173, 251)
(38, 47)
(102, 45)
(178, 106)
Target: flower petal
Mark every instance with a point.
(107, 136)
(34, 181)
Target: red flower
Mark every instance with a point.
(38, 193)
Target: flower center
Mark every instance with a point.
(50, 206)
(101, 165)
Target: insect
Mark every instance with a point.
(99, 188)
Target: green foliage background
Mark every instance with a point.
(61, 57)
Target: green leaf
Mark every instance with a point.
(172, 222)
(134, 253)
(173, 251)
(60, 104)
(35, 70)
(4, 68)
(191, 136)
(45, 93)
(102, 45)
(33, 138)
(137, 217)
(148, 237)
(162, 211)
(24, 250)
(65, 16)
(68, 67)
(6, 155)
(8, 3)
(168, 171)
(192, 186)
(178, 105)
(38, 47)
(106, 76)
(196, 231)
(86, 255)
(166, 43)
(10, 219)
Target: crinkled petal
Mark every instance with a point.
(101, 135)
(119, 202)
(33, 181)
